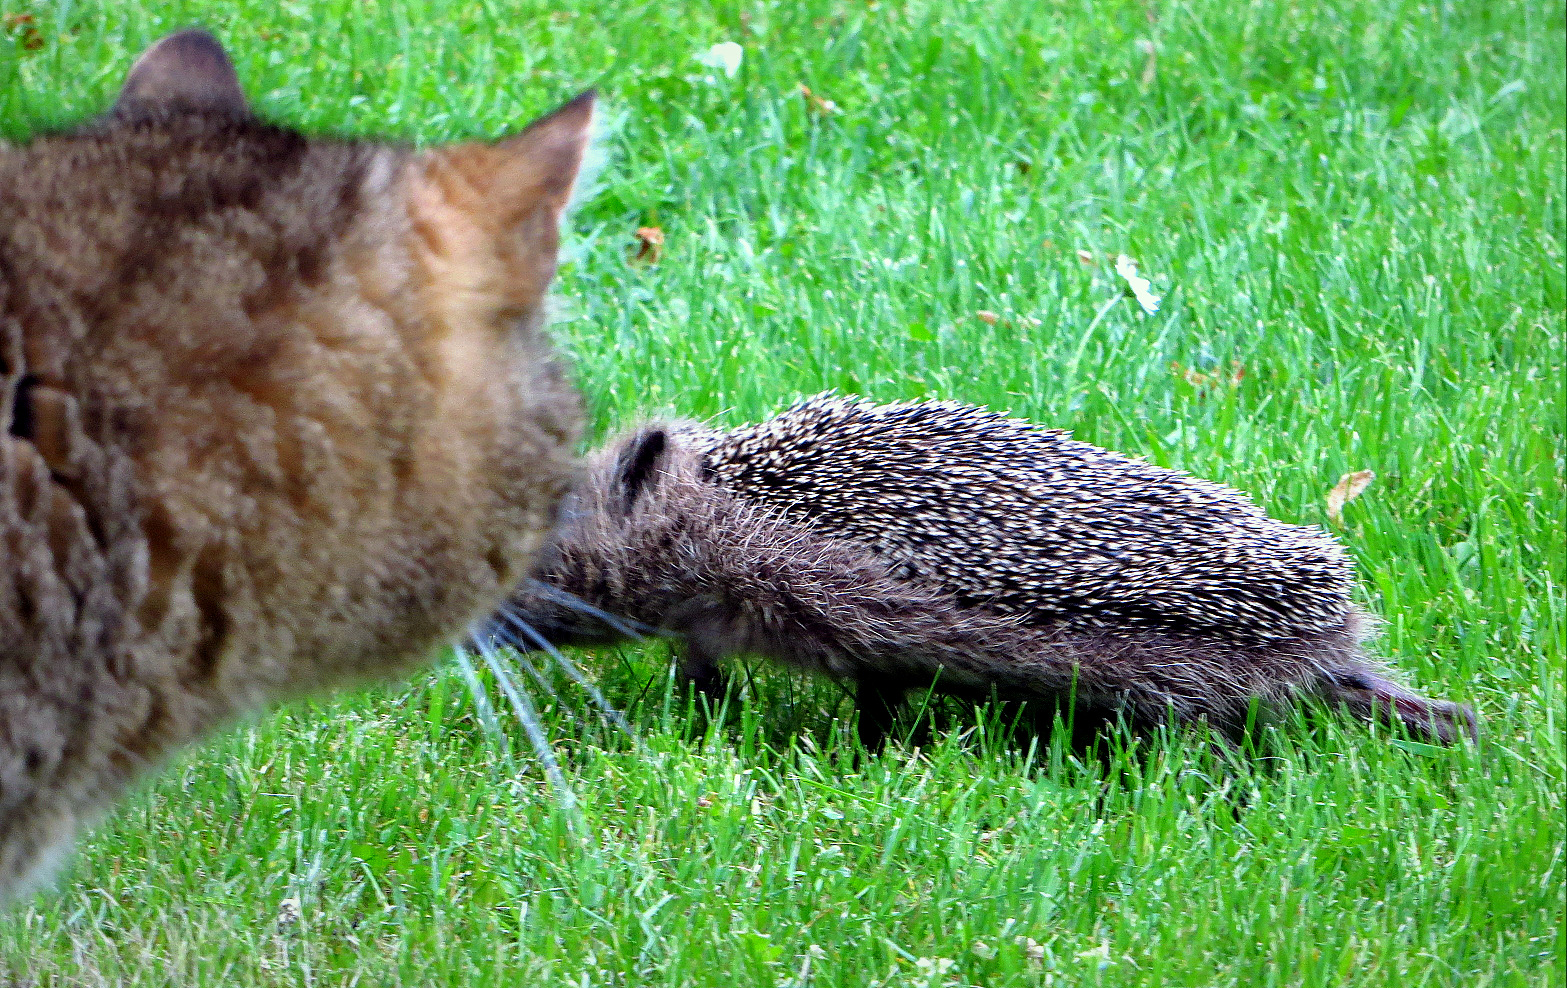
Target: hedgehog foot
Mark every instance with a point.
(702, 627)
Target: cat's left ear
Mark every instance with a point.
(514, 190)
(188, 70)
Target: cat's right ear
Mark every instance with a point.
(188, 70)
(496, 207)
(637, 462)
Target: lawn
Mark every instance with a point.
(1354, 213)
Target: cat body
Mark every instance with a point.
(276, 413)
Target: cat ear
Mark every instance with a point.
(514, 190)
(188, 70)
(636, 463)
(549, 153)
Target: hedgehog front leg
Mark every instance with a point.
(700, 670)
(701, 625)
(712, 629)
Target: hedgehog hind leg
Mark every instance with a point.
(876, 700)
(1369, 694)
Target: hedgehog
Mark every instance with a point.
(936, 544)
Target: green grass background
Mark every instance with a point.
(1359, 205)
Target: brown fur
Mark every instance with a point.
(651, 540)
(276, 413)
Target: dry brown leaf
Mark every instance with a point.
(1201, 380)
(816, 103)
(650, 245)
(987, 317)
(1151, 67)
(25, 27)
(1086, 256)
(1349, 487)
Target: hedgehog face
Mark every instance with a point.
(576, 583)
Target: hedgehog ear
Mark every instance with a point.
(188, 70)
(637, 461)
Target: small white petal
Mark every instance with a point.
(1142, 288)
(724, 56)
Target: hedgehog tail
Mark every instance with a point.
(1369, 694)
(1368, 691)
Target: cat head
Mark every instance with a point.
(276, 412)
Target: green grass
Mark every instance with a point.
(1360, 205)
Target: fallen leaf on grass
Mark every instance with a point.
(817, 104)
(1100, 953)
(991, 318)
(1141, 288)
(650, 245)
(26, 30)
(1349, 487)
(724, 57)
(1151, 67)
(933, 967)
(1201, 380)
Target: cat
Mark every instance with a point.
(277, 413)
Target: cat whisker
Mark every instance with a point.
(496, 632)
(571, 668)
(481, 698)
(519, 656)
(532, 723)
(626, 626)
(546, 683)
